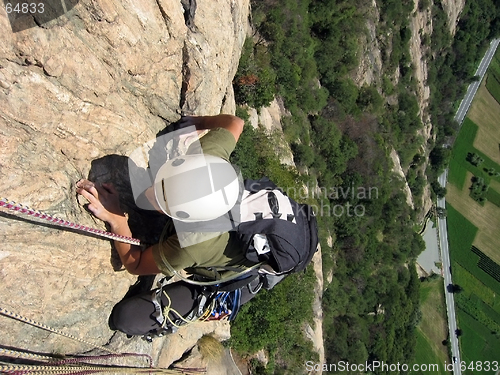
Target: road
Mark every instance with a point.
(474, 86)
(446, 264)
(442, 225)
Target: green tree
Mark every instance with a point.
(303, 154)
(439, 158)
(474, 159)
(370, 99)
(345, 92)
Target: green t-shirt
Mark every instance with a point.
(218, 249)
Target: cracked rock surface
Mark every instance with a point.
(77, 95)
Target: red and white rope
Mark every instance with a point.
(4, 202)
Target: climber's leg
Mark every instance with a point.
(136, 315)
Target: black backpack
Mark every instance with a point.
(290, 228)
(287, 229)
(272, 229)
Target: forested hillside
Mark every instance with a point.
(341, 136)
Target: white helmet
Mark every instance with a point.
(199, 187)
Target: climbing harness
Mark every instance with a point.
(168, 324)
(211, 305)
(4, 202)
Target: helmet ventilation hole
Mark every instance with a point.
(177, 162)
(182, 215)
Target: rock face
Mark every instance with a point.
(269, 118)
(77, 95)
(453, 8)
(316, 334)
(369, 70)
(399, 171)
(421, 25)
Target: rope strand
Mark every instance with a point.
(78, 365)
(23, 319)
(22, 355)
(4, 202)
(73, 370)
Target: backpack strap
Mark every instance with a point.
(268, 279)
(239, 283)
(311, 240)
(263, 183)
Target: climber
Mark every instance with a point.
(181, 193)
(104, 201)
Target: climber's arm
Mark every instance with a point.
(104, 203)
(135, 260)
(232, 123)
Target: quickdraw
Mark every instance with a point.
(6, 203)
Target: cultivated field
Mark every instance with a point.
(474, 287)
(478, 343)
(486, 218)
(474, 228)
(485, 110)
(495, 185)
(478, 305)
(432, 329)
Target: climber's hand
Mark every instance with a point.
(104, 201)
(187, 121)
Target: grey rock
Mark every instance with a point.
(77, 95)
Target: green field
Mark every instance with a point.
(492, 81)
(425, 355)
(472, 286)
(493, 87)
(477, 343)
(473, 229)
(432, 329)
(461, 233)
(459, 164)
(493, 196)
(478, 305)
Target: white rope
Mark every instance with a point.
(6, 203)
(23, 319)
(75, 365)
